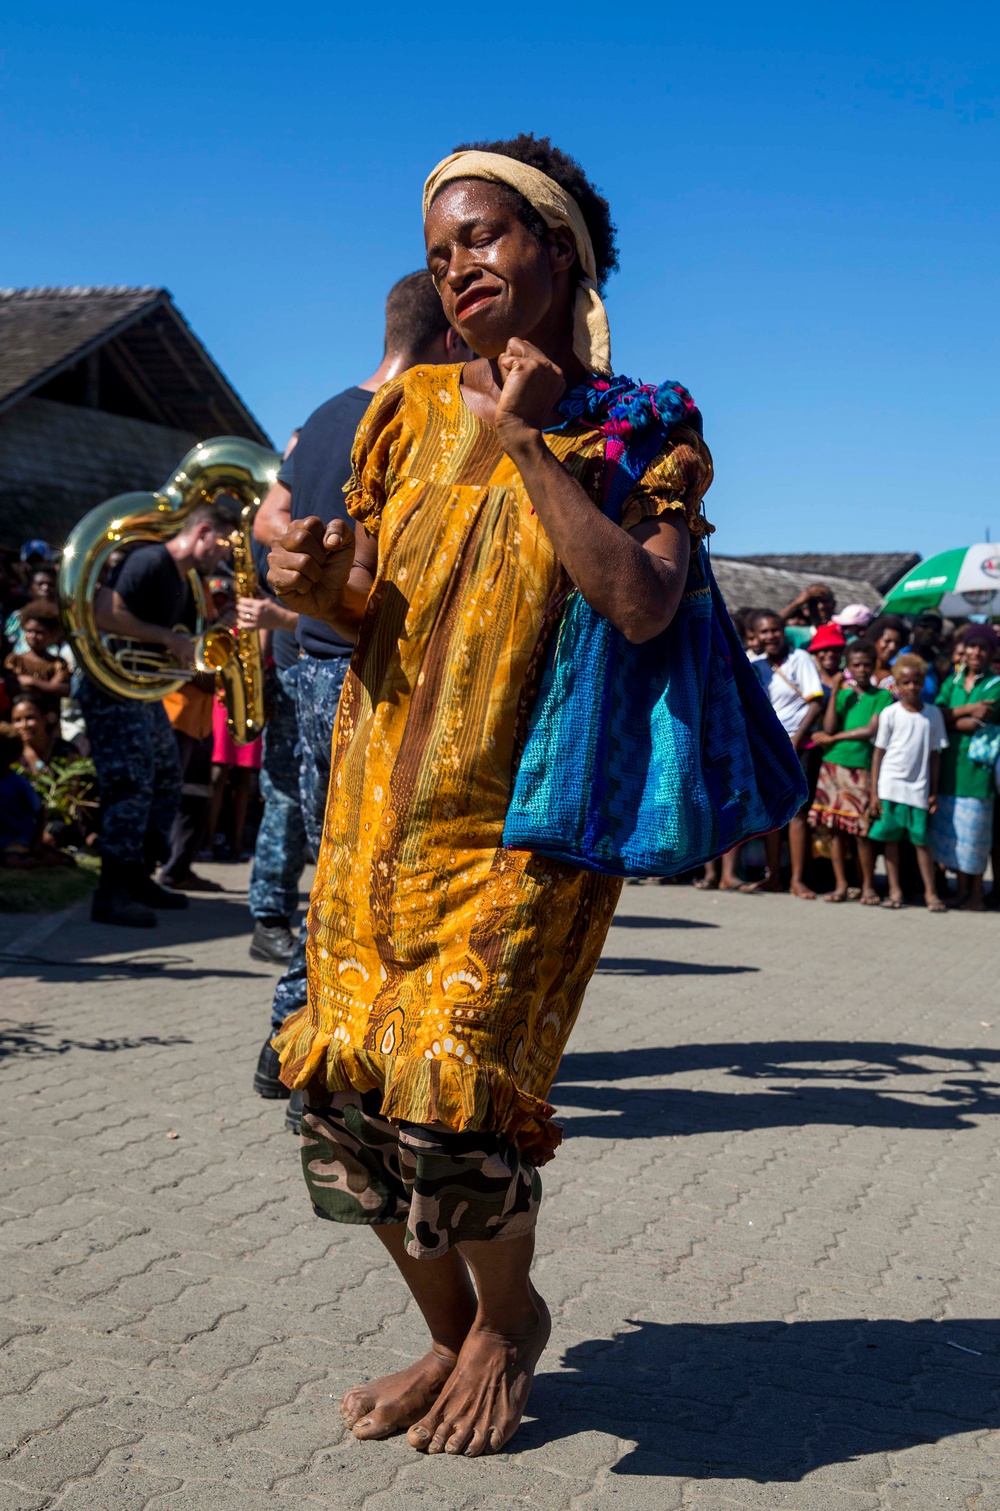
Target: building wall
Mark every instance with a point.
(58, 461)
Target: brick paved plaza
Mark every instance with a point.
(770, 1241)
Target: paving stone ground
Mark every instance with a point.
(770, 1240)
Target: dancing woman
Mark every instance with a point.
(445, 973)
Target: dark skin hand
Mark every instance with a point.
(510, 296)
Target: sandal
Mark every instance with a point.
(937, 906)
(874, 901)
(895, 903)
(836, 896)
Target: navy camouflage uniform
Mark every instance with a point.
(138, 771)
(317, 694)
(280, 852)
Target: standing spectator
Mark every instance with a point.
(42, 583)
(811, 608)
(311, 482)
(190, 711)
(887, 635)
(793, 685)
(925, 642)
(234, 772)
(827, 648)
(854, 620)
(132, 743)
(843, 791)
(962, 827)
(908, 743)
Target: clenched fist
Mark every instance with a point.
(532, 387)
(309, 565)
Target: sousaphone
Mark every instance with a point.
(227, 465)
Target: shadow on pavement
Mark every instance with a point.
(639, 921)
(634, 965)
(73, 954)
(771, 1401)
(37, 1040)
(878, 1084)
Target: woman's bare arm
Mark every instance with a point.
(634, 578)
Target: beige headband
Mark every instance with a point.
(591, 336)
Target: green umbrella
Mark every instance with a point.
(958, 583)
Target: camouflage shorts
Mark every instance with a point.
(446, 1187)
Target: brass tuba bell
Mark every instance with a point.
(226, 465)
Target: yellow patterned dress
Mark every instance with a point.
(441, 967)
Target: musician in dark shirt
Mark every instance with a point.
(132, 743)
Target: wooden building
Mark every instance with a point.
(102, 391)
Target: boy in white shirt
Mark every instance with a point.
(908, 745)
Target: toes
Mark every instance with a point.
(460, 1438)
(419, 1436)
(354, 1405)
(375, 1425)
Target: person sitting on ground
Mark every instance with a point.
(827, 649)
(20, 805)
(811, 608)
(908, 744)
(887, 634)
(793, 685)
(962, 826)
(843, 790)
(37, 668)
(70, 819)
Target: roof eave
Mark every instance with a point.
(160, 298)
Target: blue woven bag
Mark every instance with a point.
(648, 760)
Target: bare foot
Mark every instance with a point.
(934, 904)
(730, 886)
(839, 894)
(799, 889)
(768, 884)
(385, 1406)
(480, 1408)
(871, 900)
(705, 884)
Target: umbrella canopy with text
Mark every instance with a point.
(957, 583)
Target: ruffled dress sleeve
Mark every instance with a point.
(373, 472)
(677, 479)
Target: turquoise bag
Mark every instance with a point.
(648, 760)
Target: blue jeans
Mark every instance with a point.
(317, 694)
(280, 852)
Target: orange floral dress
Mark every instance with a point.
(441, 967)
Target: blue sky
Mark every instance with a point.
(806, 197)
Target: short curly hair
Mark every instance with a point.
(538, 152)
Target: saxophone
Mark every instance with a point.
(228, 466)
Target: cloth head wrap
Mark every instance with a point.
(591, 336)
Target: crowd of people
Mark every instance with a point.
(896, 722)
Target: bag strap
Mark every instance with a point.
(789, 683)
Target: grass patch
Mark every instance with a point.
(48, 891)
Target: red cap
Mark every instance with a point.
(829, 637)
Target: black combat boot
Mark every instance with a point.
(294, 1111)
(115, 900)
(272, 941)
(265, 1077)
